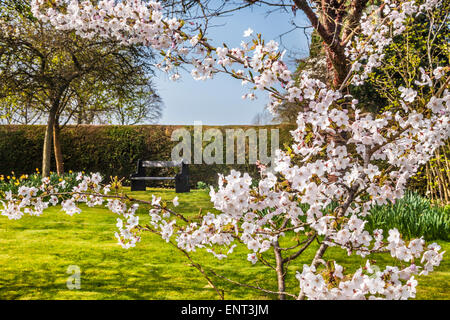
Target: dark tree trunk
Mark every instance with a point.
(57, 147)
(336, 22)
(48, 139)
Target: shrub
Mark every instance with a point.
(12, 182)
(413, 216)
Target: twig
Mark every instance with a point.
(250, 286)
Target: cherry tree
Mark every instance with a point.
(341, 164)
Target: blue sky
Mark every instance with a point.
(218, 101)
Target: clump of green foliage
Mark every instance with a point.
(13, 182)
(413, 216)
(202, 186)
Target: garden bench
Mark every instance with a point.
(139, 178)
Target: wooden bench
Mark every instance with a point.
(139, 178)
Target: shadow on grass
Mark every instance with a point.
(36, 252)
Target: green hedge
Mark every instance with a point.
(110, 150)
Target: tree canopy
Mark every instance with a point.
(60, 76)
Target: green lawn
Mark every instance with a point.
(36, 252)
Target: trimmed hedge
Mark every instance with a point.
(112, 150)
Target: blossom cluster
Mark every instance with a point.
(365, 282)
(143, 22)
